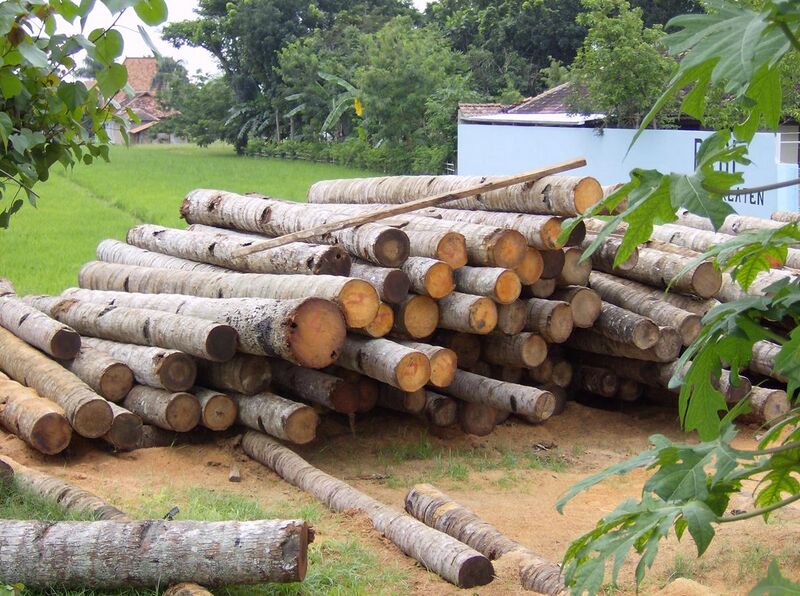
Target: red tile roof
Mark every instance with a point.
(141, 72)
(552, 101)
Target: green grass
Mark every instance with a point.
(45, 247)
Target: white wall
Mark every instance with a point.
(495, 149)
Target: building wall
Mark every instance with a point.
(496, 149)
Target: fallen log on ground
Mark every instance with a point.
(88, 413)
(477, 419)
(445, 556)
(177, 411)
(277, 416)
(439, 511)
(105, 374)
(386, 361)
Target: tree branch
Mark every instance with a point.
(758, 512)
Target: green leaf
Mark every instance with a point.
(33, 55)
(6, 128)
(688, 192)
(149, 42)
(72, 94)
(699, 517)
(108, 45)
(152, 12)
(112, 79)
(10, 83)
(775, 584)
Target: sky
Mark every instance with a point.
(194, 59)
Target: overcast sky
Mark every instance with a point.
(179, 10)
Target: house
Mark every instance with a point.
(497, 139)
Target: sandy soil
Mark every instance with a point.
(519, 499)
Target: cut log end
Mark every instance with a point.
(301, 426)
(645, 334)
(509, 249)
(395, 287)
(769, 404)
(382, 324)
(359, 302)
(530, 270)
(439, 280)
(177, 371)
(346, 398)
(318, 332)
(508, 287)
(552, 263)
(443, 367)
(586, 306)
(544, 408)
(51, 434)
(183, 412)
(418, 316)
(577, 235)
(476, 419)
(482, 316)
(221, 343)
(550, 232)
(219, 412)
(93, 418)
(534, 350)
(116, 381)
(560, 325)
(475, 571)
(126, 431)
(706, 280)
(452, 249)
(690, 328)
(65, 344)
(413, 371)
(335, 261)
(588, 192)
(392, 247)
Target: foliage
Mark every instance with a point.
(45, 118)
(734, 52)
(203, 105)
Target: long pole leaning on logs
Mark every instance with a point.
(433, 201)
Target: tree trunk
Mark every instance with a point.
(386, 361)
(639, 299)
(307, 331)
(585, 304)
(381, 325)
(155, 367)
(376, 243)
(476, 418)
(277, 416)
(552, 263)
(574, 272)
(221, 250)
(785, 216)
(520, 350)
(512, 318)
(501, 285)
(316, 387)
(409, 402)
(598, 380)
(530, 270)
(763, 360)
(606, 254)
(467, 313)
(171, 411)
(416, 317)
(105, 374)
(126, 429)
(88, 413)
(110, 554)
(114, 251)
(448, 558)
(442, 245)
(440, 410)
(551, 195)
(552, 319)
(429, 277)
(466, 346)
(217, 410)
(439, 511)
(627, 327)
(444, 361)
(37, 329)
(357, 299)
(535, 405)
(590, 341)
(392, 285)
(37, 421)
(192, 335)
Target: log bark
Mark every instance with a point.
(277, 416)
(544, 288)
(114, 251)
(467, 313)
(785, 216)
(316, 387)
(501, 285)
(88, 413)
(38, 329)
(112, 554)
(220, 250)
(439, 511)
(109, 377)
(586, 304)
(551, 195)
(733, 224)
(448, 558)
(625, 326)
(476, 418)
(606, 254)
(530, 270)
(306, 331)
(588, 340)
(520, 350)
(535, 405)
(444, 361)
(639, 299)
(195, 336)
(126, 429)
(392, 285)
(552, 319)
(217, 410)
(466, 346)
(442, 245)
(37, 421)
(575, 272)
(429, 277)
(172, 370)
(440, 410)
(177, 411)
(376, 243)
(416, 317)
(598, 380)
(357, 299)
(6, 287)
(731, 291)
(381, 325)
(386, 361)
(763, 360)
(552, 263)
(410, 402)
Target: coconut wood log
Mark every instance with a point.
(217, 410)
(416, 317)
(178, 411)
(381, 325)
(543, 373)
(563, 372)
(467, 313)
(512, 318)
(477, 419)
(38, 329)
(357, 299)
(466, 346)
(733, 224)
(440, 410)
(544, 288)
(552, 263)
(295, 258)
(535, 405)
(625, 326)
(305, 331)
(409, 402)
(552, 319)
(442, 245)
(598, 380)
(386, 361)
(501, 285)
(277, 416)
(768, 404)
(392, 284)
(316, 387)
(37, 421)
(437, 510)
(109, 377)
(520, 350)
(731, 290)
(195, 336)
(114, 251)
(429, 277)
(605, 254)
(444, 361)
(590, 341)
(530, 270)
(785, 216)
(639, 299)
(244, 373)
(126, 429)
(445, 556)
(88, 413)
(155, 367)
(586, 304)
(763, 359)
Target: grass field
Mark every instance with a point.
(45, 247)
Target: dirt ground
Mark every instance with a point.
(511, 478)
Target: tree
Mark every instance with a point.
(659, 12)
(739, 50)
(45, 118)
(203, 107)
(621, 69)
